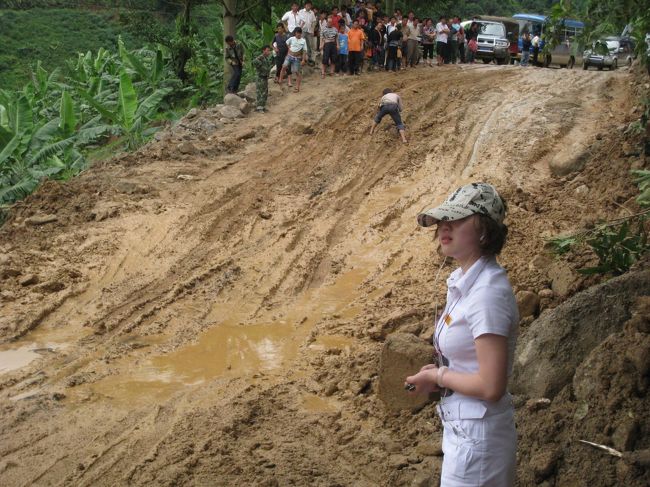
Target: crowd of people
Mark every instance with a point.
(351, 40)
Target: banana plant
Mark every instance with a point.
(36, 149)
(128, 116)
(149, 69)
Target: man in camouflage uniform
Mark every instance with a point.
(263, 64)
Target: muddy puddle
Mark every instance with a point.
(240, 347)
(36, 345)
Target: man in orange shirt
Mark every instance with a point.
(356, 37)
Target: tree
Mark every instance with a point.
(233, 12)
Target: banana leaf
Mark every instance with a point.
(49, 150)
(132, 60)
(10, 148)
(102, 109)
(21, 120)
(151, 104)
(44, 134)
(68, 120)
(128, 101)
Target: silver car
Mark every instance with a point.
(600, 56)
(492, 41)
(622, 48)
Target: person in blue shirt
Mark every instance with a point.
(342, 60)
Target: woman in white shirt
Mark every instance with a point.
(475, 341)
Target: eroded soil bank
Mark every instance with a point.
(211, 309)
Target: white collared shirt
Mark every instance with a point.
(479, 302)
(292, 20)
(307, 20)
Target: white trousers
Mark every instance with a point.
(480, 451)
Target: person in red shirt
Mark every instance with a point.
(335, 17)
(356, 37)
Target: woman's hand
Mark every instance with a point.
(425, 380)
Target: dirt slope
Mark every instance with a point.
(210, 310)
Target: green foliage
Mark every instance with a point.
(46, 127)
(617, 244)
(51, 36)
(643, 181)
(617, 247)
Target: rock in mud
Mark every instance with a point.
(9, 272)
(5, 259)
(550, 350)
(544, 462)
(234, 101)
(249, 93)
(37, 220)
(562, 278)
(7, 295)
(430, 448)
(131, 187)
(625, 435)
(570, 159)
(104, 210)
(29, 280)
(207, 125)
(51, 286)
(528, 303)
(187, 147)
(230, 112)
(192, 113)
(403, 355)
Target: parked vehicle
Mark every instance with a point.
(600, 56)
(512, 27)
(622, 48)
(492, 41)
(567, 53)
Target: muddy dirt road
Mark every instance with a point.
(210, 310)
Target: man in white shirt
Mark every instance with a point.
(291, 19)
(307, 21)
(296, 57)
(442, 31)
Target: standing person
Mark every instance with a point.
(475, 342)
(536, 45)
(235, 58)
(262, 64)
(335, 17)
(454, 30)
(322, 23)
(392, 45)
(525, 49)
(345, 15)
(442, 31)
(428, 38)
(280, 48)
(412, 41)
(329, 36)
(355, 47)
(390, 104)
(342, 46)
(461, 42)
(291, 19)
(472, 42)
(376, 39)
(308, 25)
(296, 57)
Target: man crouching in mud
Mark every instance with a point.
(390, 104)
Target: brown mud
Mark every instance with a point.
(215, 315)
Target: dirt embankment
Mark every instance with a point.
(211, 309)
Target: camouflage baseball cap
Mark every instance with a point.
(472, 198)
